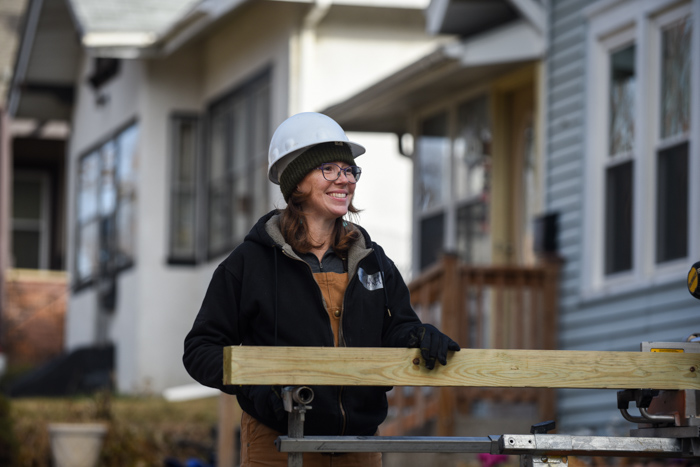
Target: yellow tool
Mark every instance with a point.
(694, 280)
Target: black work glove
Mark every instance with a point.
(268, 400)
(432, 343)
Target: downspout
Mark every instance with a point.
(25, 50)
(5, 193)
(307, 54)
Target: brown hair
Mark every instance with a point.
(295, 228)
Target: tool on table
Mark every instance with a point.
(694, 280)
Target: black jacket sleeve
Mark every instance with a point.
(400, 318)
(215, 327)
(401, 324)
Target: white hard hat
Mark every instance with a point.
(297, 134)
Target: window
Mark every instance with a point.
(672, 144)
(215, 199)
(30, 220)
(236, 173)
(672, 203)
(473, 172)
(183, 188)
(453, 176)
(433, 192)
(106, 198)
(641, 59)
(619, 164)
(618, 218)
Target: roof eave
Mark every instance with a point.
(387, 105)
(471, 17)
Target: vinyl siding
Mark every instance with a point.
(653, 311)
(564, 192)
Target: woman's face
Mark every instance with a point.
(328, 200)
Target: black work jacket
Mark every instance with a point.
(263, 294)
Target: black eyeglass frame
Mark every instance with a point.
(351, 168)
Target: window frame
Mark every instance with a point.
(41, 225)
(254, 163)
(657, 143)
(610, 24)
(176, 119)
(450, 205)
(121, 194)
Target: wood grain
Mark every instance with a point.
(343, 366)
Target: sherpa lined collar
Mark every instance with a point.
(358, 250)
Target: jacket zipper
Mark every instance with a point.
(319, 290)
(341, 337)
(341, 342)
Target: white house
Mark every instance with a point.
(171, 106)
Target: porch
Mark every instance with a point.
(497, 307)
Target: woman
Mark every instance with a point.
(304, 276)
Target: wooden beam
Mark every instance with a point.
(345, 366)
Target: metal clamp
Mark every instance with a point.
(296, 401)
(302, 395)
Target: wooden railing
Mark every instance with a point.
(496, 307)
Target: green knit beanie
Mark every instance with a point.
(309, 160)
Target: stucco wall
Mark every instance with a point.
(185, 82)
(93, 124)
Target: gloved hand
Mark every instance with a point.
(432, 344)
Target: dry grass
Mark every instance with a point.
(142, 431)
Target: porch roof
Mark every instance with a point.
(470, 17)
(450, 68)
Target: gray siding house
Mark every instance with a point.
(614, 106)
(623, 124)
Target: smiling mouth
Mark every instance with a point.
(338, 195)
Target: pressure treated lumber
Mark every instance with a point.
(344, 366)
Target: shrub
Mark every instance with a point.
(8, 443)
(143, 431)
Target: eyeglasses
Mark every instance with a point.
(331, 172)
